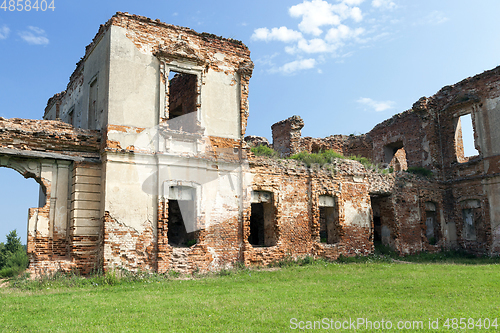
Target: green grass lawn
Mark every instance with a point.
(263, 300)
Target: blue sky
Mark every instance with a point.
(343, 66)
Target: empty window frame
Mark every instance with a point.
(182, 216)
(471, 216)
(71, 115)
(469, 231)
(262, 220)
(383, 219)
(328, 220)
(464, 139)
(182, 101)
(431, 223)
(92, 115)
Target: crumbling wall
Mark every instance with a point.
(296, 190)
(286, 135)
(48, 152)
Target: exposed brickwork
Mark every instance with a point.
(48, 136)
(286, 135)
(133, 249)
(254, 141)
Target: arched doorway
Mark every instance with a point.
(17, 195)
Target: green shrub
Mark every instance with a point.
(327, 156)
(309, 158)
(321, 158)
(367, 163)
(13, 257)
(420, 171)
(263, 151)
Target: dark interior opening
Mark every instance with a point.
(377, 229)
(262, 231)
(431, 231)
(177, 112)
(257, 225)
(177, 234)
(328, 226)
(182, 101)
(383, 220)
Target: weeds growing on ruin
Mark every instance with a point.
(328, 156)
(420, 171)
(261, 150)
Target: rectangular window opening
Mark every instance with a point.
(464, 139)
(329, 228)
(328, 225)
(262, 220)
(92, 105)
(181, 231)
(182, 101)
(469, 224)
(71, 115)
(431, 231)
(383, 220)
(432, 226)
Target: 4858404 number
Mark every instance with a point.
(27, 5)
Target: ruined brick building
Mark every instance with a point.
(142, 164)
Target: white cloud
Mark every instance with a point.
(376, 105)
(342, 32)
(434, 18)
(353, 2)
(34, 36)
(318, 13)
(315, 45)
(324, 28)
(384, 4)
(297, 65)
(356, 14)
(314, 14)
(282, 34)
(4, 32)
